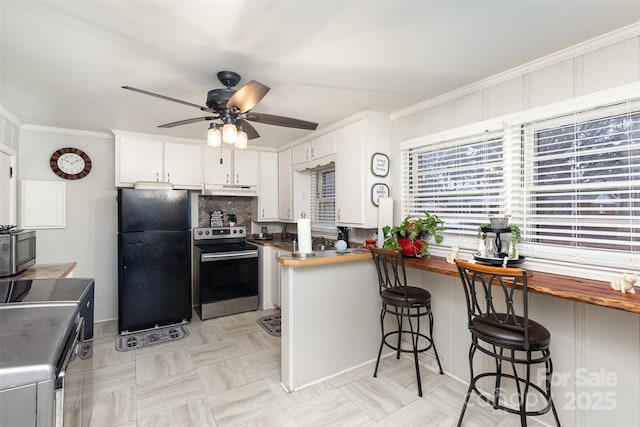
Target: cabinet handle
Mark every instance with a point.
(262, 213)
(313, 156)
(237, 179)
(168, 177)
(157, 176)
(338, 214)
(227, 178)
(306, 154)
(288, 213)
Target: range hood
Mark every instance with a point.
(230, 190)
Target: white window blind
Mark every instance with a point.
(582, 179)
(323, 197)
(460, 180)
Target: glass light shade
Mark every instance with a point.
(213, 136)
(241, 140)
(229, 134)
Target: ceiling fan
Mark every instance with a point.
(233, 108)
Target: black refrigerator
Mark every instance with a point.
(154, 258)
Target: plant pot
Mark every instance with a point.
(410, 247)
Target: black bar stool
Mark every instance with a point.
(403, 302)
(507, 336)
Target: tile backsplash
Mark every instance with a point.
(238, 205)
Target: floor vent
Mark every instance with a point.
(151, 337)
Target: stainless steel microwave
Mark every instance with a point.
(17, 252)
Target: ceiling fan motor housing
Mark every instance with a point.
(217, 98)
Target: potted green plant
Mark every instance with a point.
(232, 219)
(413, 234)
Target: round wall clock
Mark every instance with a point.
(70, 163)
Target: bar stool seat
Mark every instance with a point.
(408, 304)
(508, 336)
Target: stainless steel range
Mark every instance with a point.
(225, 272)
(46, 338)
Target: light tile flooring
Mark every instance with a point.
(227, 372)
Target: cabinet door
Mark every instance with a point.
(139, 160)
(350, 168)
(323, 145)
(7, 205)
(284, 185)
(268, 187)
(217, 165)
(183, 164)
(300, 154)
(245, 167)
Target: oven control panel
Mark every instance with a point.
(210, 233)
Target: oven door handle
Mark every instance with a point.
(211, 257)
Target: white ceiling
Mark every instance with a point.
(62, 63)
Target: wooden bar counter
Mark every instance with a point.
(45, 271)
(568, 287)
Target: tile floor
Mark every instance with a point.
(226, 373)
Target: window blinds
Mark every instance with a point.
(582, 178)
(323, 197)
(460, 180)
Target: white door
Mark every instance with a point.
(350, 164)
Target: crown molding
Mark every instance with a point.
(10, 117)
(66, 131)
(588, 46)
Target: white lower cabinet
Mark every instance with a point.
(269, 276)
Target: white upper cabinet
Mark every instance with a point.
(183, 164)
(319, 147)
(300, 154)
(245, 168)
(152, 158)
(323, 145)
(217, 166)
(265, 206)
(285, 204)
(350, 184)
(362, 136)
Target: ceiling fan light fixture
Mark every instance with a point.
(229, 133)
(241, 139)
(213, 136)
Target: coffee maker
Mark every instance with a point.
(343, 234)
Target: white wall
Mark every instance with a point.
(90, 237)
(588, 343)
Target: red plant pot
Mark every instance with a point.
(410, 247)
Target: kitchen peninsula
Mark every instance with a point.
(330, 315)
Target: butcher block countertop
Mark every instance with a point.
(45, 271)
(578, 289)
(326, 257)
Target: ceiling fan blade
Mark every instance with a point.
(252, 133)
(187, 121)
(270, 119)
(166, 98)
(247, 97)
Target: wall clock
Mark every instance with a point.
(70, 163)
